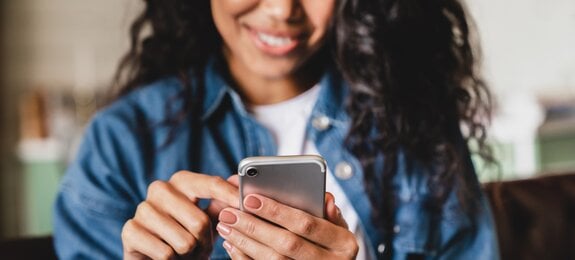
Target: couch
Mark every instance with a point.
(535, 217)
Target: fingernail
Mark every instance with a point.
(223, 229)
(253, 202)
(227, 246)
(227, 217)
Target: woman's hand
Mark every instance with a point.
(277, 231)
(170, 223)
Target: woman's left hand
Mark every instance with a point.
(294, 233)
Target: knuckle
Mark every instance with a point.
(201, 224)
(139, 211)
(273, 210)
(250, 228)
(216, 182)
(307, 226)
(290, 244)
(127, 229)
(143, 210)
(155, 188)
(185, 245)
(164, 252)
(178, 175)
(203, 220)
(273, 255)
(242, 242)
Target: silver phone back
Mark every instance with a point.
(297, 181)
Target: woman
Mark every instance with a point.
(379, 88)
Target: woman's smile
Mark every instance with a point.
(276, 43)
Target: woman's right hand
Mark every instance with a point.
(169, 222)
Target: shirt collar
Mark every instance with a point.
(332, 96)
(215, 88)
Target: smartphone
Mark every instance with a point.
(297, 181)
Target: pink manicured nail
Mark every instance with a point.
(223, 229)
(227, 217)
(253, 202)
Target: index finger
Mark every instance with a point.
(202, 186)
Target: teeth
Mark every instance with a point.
(274, 40)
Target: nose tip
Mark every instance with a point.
(284, 10)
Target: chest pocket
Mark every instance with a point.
(419, 231)
(413, 229)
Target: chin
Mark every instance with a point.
(275, 71)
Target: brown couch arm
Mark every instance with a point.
(27, 248)
(535, 217)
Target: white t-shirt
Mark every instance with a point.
(287, 123)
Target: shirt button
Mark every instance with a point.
(396, 229)
(381, 248)
(343, 171)
(321, 123)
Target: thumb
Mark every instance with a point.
(332, 212)
(216, 206)
(234, 179)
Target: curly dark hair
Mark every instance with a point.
(412, 72)
(414, 79)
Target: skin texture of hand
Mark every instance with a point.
(169, 223)
(271, 230)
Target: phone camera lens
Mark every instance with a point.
(251, 172)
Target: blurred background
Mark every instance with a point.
(57, 59)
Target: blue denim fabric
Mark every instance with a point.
(123, 150)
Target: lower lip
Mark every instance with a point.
(273, 50)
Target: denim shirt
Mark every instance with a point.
(124, 149)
